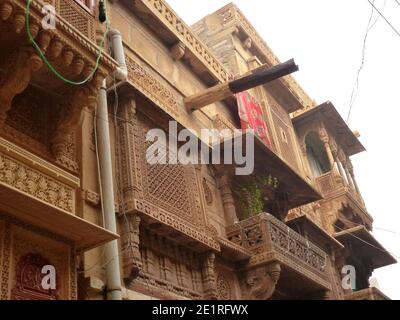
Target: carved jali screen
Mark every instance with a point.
(171, 187)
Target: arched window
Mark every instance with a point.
(316, 155)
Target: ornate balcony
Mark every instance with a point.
(304, 265)
(367, 294)
(36, 192)
(332, 187)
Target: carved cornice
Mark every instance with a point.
(184, 33)
(65, 36)
(142, 79)
(231, 14)
(176, 223)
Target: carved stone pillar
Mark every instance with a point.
(209, 280)
(224, 183)
(325, 140)
(260, 282)
(70, 118)
(351, 171)
(16, 72)
(127, 150)
(339, 166)
(347, 172)
(130, 240)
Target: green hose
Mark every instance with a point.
(35, 45)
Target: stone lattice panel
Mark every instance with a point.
(78, 17)
(173, 188)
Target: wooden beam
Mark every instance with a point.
(255, 78)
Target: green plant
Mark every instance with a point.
(250, 194)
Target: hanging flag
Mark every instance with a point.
(252, 117)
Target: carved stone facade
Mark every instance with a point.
(180, 232)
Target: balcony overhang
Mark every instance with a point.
(174, 228)
(364, 245)
(81, 233)
(333, 120)
(313, 231)
(42, 195)
(291, 183)
(304, 265)
(367, 294)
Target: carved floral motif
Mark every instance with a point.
(151, 87)
(36, 184)
(266, 236)
(224, 288)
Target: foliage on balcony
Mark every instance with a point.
(251, 194)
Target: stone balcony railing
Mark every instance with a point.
(330, 185)
(272, 240)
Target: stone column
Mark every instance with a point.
(130, 240)
(224, 183)
(351, 171)
(339, 166)
(209, 280)
(349, 179)
(328, 151)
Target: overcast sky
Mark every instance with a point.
(326, 38)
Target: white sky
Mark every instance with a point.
(325, 39)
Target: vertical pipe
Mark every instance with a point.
(114, 290)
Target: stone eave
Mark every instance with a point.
(245, 30)
(333, 120)
(372, 248)
(172, 30)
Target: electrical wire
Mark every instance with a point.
(386, 230)
(354, 92)
(397, 1)
(384, 18)
(50, 66)
(370, 244)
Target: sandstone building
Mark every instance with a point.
(182, 231)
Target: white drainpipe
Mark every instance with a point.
(121, 74)
(113, 273)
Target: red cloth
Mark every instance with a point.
(252, 117)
